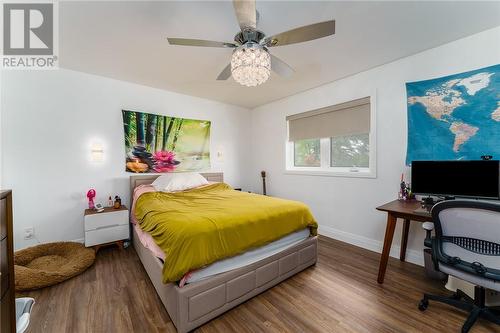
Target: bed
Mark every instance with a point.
(198, 302)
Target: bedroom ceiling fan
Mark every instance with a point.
(251, 62)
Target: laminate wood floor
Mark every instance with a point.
(339, 294)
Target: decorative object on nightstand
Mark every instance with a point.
(108, 227)
(91, 195)
(118, 202)
(99, 208)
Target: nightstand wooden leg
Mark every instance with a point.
(96, 248)
(120, 245)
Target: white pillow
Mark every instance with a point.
(175, 182)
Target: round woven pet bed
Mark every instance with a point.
(48, 264)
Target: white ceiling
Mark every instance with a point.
(127, 40)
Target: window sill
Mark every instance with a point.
(326, 173)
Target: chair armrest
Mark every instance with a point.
(428, 226)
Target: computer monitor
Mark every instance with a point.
(470, 179)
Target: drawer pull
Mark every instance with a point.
(108, 226)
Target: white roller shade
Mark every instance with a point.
(342, 119)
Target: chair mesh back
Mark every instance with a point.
(475, 245)
(471, 223)
(469, 230)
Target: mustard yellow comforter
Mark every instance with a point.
(198, 227)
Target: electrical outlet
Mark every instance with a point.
(492, 298)
(29, 233)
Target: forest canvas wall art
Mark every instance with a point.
(157, 144)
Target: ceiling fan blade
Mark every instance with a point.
(199, 42)
(280, 67)
(302, 34)
(246, 13)
(225, 74)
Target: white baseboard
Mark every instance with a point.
(79, 240)
(413, 256)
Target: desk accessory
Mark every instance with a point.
(405, 190)
(428, 201)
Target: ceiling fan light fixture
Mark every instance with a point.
(251, 65)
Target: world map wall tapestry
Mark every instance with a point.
(456, 117)
(157, 144)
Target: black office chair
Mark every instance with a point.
(467, 245)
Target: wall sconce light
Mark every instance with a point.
(96, 152)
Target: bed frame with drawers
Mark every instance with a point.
(197, 303)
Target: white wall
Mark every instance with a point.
(51, 118)
(345, 207)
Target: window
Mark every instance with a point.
(350, 151)
(307, 153)
(336, 140)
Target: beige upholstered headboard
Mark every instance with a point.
(148, 179)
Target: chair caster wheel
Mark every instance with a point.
(422, 306)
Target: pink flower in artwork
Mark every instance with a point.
(164, 161)
(164, 168)
(164, 156)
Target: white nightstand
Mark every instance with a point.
(108, 227)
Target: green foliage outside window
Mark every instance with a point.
(307, 153)
(350, 151)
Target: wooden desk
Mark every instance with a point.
(404, 210)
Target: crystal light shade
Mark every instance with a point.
(251, 65)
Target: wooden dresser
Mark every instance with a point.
(7, 292)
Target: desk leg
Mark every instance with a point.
(389, 233)
(404, 240)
